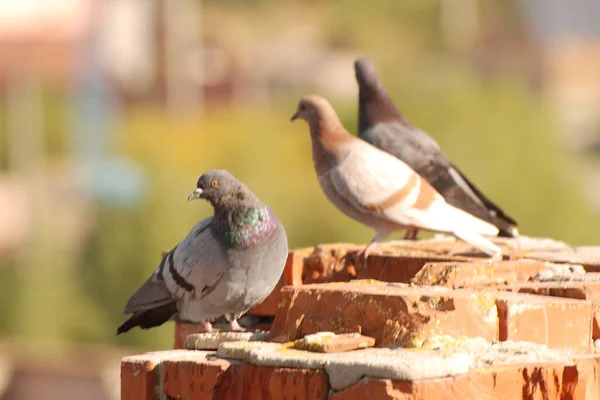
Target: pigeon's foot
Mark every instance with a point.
(207, 327)
(234, 326)
(362, 256)
(411, 234)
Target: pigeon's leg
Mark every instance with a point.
(364, 253)
(207, 327)
(235, 326)
(411, 234)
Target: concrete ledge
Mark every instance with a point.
(453, 367)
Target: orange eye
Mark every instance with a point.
(214, 184)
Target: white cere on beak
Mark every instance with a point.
(195, 194)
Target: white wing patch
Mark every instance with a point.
(368, 175)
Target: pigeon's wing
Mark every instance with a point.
(422, 153)
(375, 182)
(152, 294)
(197, 264)
(371, 181)
(410, 144)
(194, 264)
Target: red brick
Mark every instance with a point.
(589, 369)
(266, 383)
(138, 380)
(194, 377)
(140, 375)
(336, 263)
(477, 274)
(580, 290)
(526, 382)
(294, 267)
(179, 374)
(372, 389)
(397, 268)
(189, 375)
(390, 314)
(587, 256)
(555, 322)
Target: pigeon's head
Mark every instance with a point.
(315, 110)
(365, 73)
(219, 186)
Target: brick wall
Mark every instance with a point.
(445, 325)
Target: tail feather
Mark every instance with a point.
(480, 243)
(149, 318)
(510, 232)
(151, 295)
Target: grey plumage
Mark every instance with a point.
(382, 124)
(226, 264)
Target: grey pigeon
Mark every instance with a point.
(382, 124)
(379, 190)
(228, 262)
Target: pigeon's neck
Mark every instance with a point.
(375, 107)
(327, 136)
(244, 225)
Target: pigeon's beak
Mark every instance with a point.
(295, 116)
(195, 194)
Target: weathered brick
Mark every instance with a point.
(408, 315)
(390, 263)
(294, 268)
(193, 377)
(580, 290)
(556, 322)
(197, 375)
(588, 256)
(372, 389)
(525, 382)
(388, 313)
(138, 379)
(140, 374)
(589, 369)
(477, 274)
(397, 268)
(265, 383)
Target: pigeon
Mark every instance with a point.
(226, 264)
(379, 190)
(382, 124)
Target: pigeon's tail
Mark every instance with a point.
(466, 196)
(149, 318)
(480, 243)
(507, 231)
(151, 305)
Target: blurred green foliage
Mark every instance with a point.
(502, 135)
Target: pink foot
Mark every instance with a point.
(207, 328)
(235, 326)
(361, 257)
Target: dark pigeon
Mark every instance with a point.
(228, 263)
(382, 124)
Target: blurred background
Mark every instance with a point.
(111, 109)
